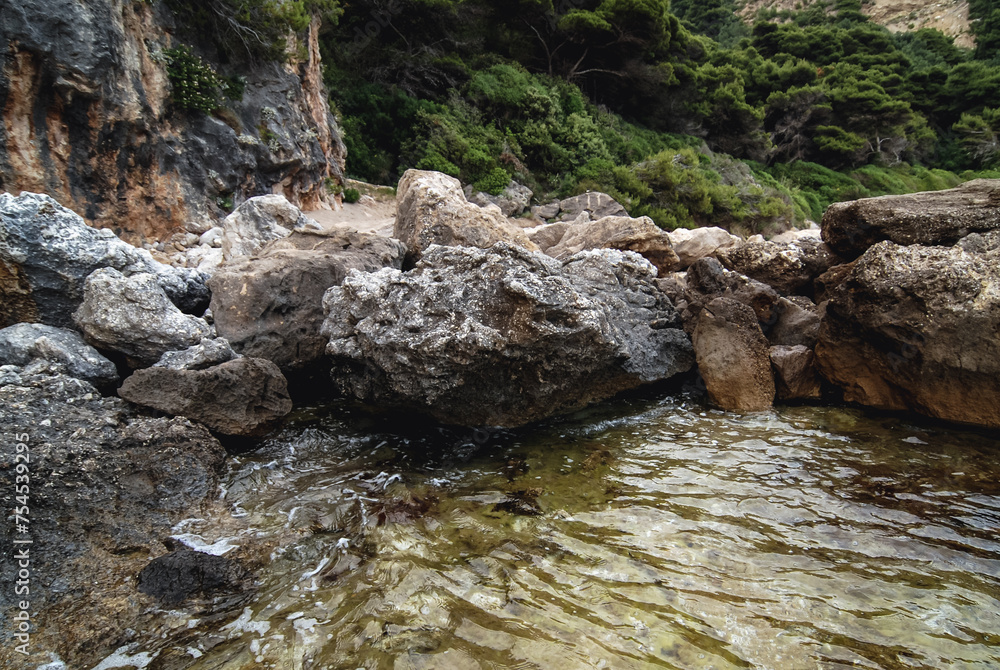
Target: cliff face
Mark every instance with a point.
(87, 118)
(949, 16)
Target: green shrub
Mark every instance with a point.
(351, 195)
(195, 84)
(494, 182)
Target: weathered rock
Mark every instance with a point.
(23, 343)
(796, 234)
(547, 211)
(243, 397)
(797, 323)
(271, 306)
(824, 284)
(916, 328)
(258, 221)
(107, 487)
(695, 243)
(789, 268)
(512, 201)
(431, 209)
(88, 119)
(611, 232)
(134, 317)
(706, 280)
(185, 574)
(795, 373)
(733, 357)
(502, 336)
(596, 205)
(929, 218)
(47, 252)
(548, 235)
(203, 355)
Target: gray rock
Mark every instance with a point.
(106, 488)
(915, 328)
(795, 373)
(597, 205)
(23, 343)
(134, 317)
(242, 397)
(431, 209)
(258, 221)
(502, 336)
(202, 355)
(512, 201)
(185, 574)
(271, 306)
(49, 251)
(546, 211)
(733, 357)
(789, 268)
(797, 323)
(929, 218)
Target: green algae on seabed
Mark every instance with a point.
(642, 534)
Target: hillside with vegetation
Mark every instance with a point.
(680, 110)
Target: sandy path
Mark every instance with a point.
(367, 214)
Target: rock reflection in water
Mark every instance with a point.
(636, 535)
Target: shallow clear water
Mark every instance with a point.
(640, 534)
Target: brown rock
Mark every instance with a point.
(243, 397)
(797, 323)
(788, 268)
(733, 357)
(271, 306)
(824, 284)
(795, 374)
(916, 328)
(431, 209)
(929, 218)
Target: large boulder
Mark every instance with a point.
(258, 221)
(431, 209)
(271, 306)
(789, 268)
(733, 356)
(795, 373)
(916, 328)
(690, 244)
(930, 218)
(47, 252)
(241, 397)
(23, 343)
(502, 336)
(133, 316)
(594, 205)
(611, 232)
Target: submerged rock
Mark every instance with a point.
(916, 328)
(23, 343)
(47, 252)
(562, 240)
(733, 356)
(431, 209)
(185, 574)
(271, 306)
(134, 317)
(502, 336)
(241, 397)
(929, 218)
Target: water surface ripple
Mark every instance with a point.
(642, 534)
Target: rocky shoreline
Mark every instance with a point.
(128, 374)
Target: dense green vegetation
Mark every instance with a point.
(680, 110)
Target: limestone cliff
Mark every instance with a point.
(88, 118)
(949, 16)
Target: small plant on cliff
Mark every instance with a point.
(196, 86)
